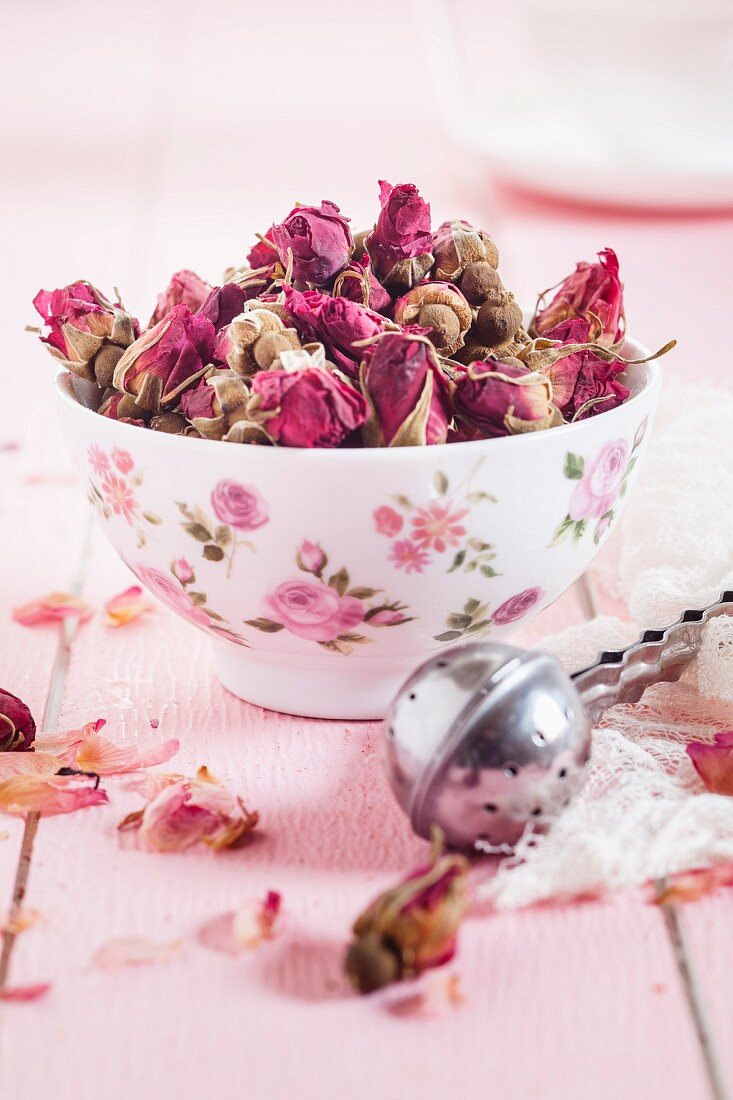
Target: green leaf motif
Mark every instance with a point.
(458, 561)
(212, 552)
(440, 481)
(196, 531)
(339, 582)
(448, 636)
(561, 531)
(363, 593)
(489, 571)
(457, 621)
(267, 626)
(197, 598)
(579, 530)
(478, 627)
(213, 615)
(478, 496)
(574, 465)
(152, 518)
(471, 607)
(223, 535)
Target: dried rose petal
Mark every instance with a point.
(187, 811)
(714, 762)
(126, 606)
(185, 287)
(582, 384)
(255, 920)
(358, 283)
(319, 239)
(132, 951)
(20, 994)
(407, 392)
(337, 323)
(17, 727)
(400, 245)
(87, 331)
(264, 252)
(31, 763)
(62, 743)
(593, 292)
(99, 755)
(500, 398)
(19, 921)
(48, 794)
(223, 304)
(309, 407)
(54, 608)
(691, 885)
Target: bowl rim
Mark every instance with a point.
(648, 392)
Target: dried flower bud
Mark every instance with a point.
(216, 404)
(264, 253)
(254, 340)
(501, 398)
(85, 328)
(223, 304)
(412, 927)
(498, 321)
(166, 359)
(582, 384)
(408, 395)
(307, 407)
(17, 728)
(338, 323)
(185, 286)
(358, 283)
(120, 406)
(319, 239)
(456, 244)
(171, 423)
(441, 309)
(400, 245)
(593, 292)
(479, 282)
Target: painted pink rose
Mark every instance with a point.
(122, 460)
(240, 506)
(387, 618)
(311, 557)
(169, 591)
(517, 606)
(182, 570)
(314, 611)
(387, 521)
(600, 484)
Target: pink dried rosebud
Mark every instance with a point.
(337, 323)
(400, 245)
(713, 762)
(593, 292)
(264, 253)
(412, 927)
(358, 283)
(216, 404)
(188, 811)
(185, 286)
(17, 728)
(501, 398)
(407, 392)
(254, 340)
(456, 244)
(441, 309)
(306, 407)
(86, 331)
(166, 359)
(223, 304)
(582, 384)
(311, 558)
(319, 239)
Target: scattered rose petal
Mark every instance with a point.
(133, 951)
(98, 754)
(53, 608)
(126, 607)
(22, 993)
(714, 762)
(691, 885)
(28, 763)
(439, 996)
(20, 920)
(61, 743)
(48, 794)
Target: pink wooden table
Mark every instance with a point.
(174, 166)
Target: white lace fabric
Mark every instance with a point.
(644, 813)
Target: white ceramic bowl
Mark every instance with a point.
(324, 577)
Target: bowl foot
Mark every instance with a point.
(322, 690)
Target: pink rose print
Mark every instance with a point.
(182, 570)
(98, 459)
(436, 526)
(240, 506)
(409, 556)
(169, 592)
(314, 611)
(119, 496)
(387, 618)
(517, 606)
(600, 484)
(311, 558)
(387, 521)
(122, 460)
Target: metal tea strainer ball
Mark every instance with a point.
(484, 739)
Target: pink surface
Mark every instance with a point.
(560, 1002)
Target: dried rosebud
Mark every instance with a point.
(120, 406)
(185, 286)
(254, 340)
(17, 728)
(87, 332)
(498, 321)
(264, 253)
(223, 304)
(358, 283)
(441, 309)
(319, 239)
(479, 282)
(594, 292)
(412, 927)
(166, 359)
(306, 407)
(401, 245)
(456, 244)
(502, 398)
(337, 323)
(169, 422)
(582, 384)
(216, 404)
(408, 395)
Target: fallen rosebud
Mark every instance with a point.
(593, 292)
(185, 287)
(441, 310)
(188, 811)
(358, 283)
(456, 244)
(17, 727)
(54, 608)
(412, 927)
(408, 395)
(316, 240)
(337, 323)
(400, 245)
(126, 606)
(713, 762)
(502, 398)
(166, 359)
(88, 333)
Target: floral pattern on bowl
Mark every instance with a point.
(113, 484)
(475, 621)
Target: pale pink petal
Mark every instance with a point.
(28, 763)
(50, 794)
(255, 920)
(133, 951)
(61, 743)
(21, 993)
(20, 920)
(97, 754)
(126, 607)
(691, 885)
(53, 608)
(714, 762)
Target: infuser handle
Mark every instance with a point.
(623, 675)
